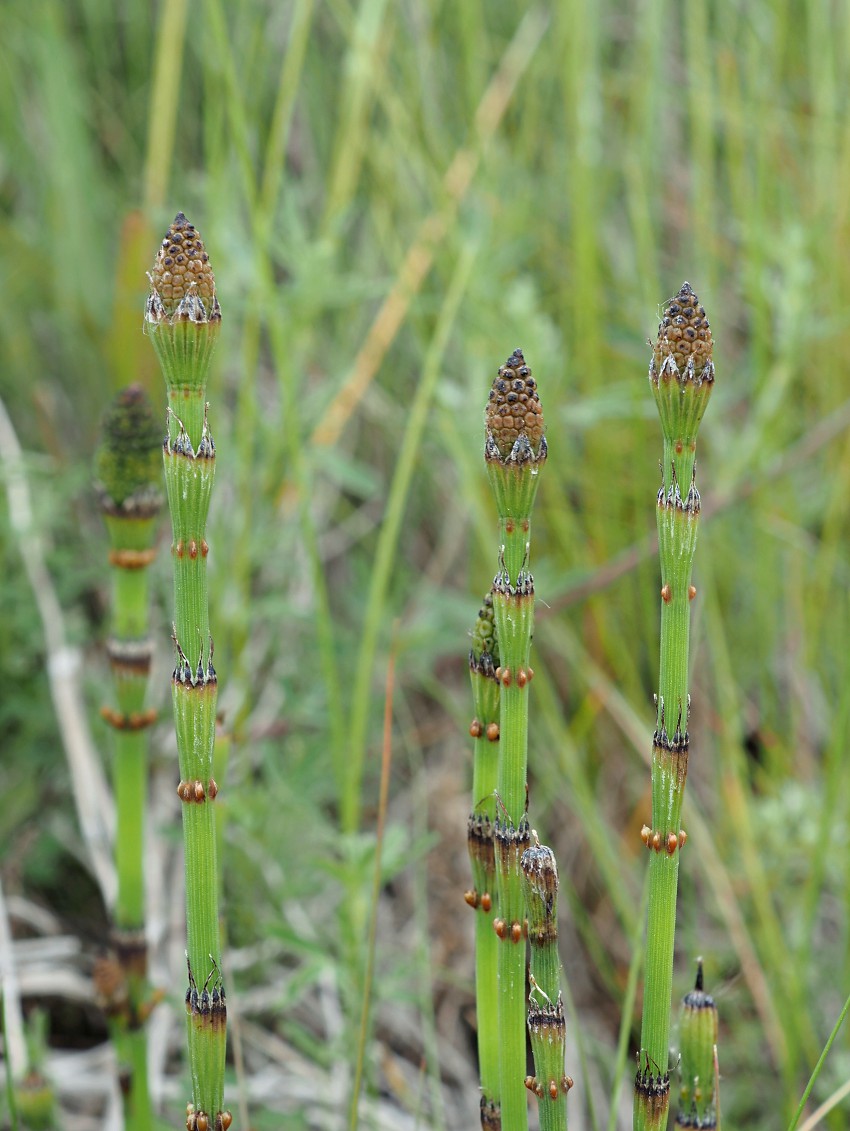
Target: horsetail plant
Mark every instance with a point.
(515, 451)
(698, 1049)
(483, 662)
(183, 318)
(128, 481)
(546, 1022)
(681, 375)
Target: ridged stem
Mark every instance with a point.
(677, 534)
(514, 610)
(138, 1113)
(486, 942)
(510, 845)
(128, 480)
(131, 783)
(681, 378)
(698, 1101)
(514, 613)
(182, 319)
(515, 450)
(483, 660)
(189, 471)
(546, 1021)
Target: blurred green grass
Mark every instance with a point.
(641, 144)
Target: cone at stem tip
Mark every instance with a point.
(514, 417)
(684, 344)
(515, 444)
(681, 370)
(182, 281)
(128, 460)
(182, 320)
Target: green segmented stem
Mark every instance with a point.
(515, 450)
(510, 845)
(697, 1046)
(189, 474)
(487, 1011)
(131, 782)
(681, 377)
(513, 605)
(483, 660)
(182, 319)
(128, 477)
(130, 597)
(546, 1021)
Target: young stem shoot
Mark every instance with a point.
(681, 376)
(515, 450)
(182, 318)
(546, 1021)
(483, 662)
(698, 1101)
(128, 480)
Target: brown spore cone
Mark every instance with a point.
(513, 409)
(182, 268)
(684, 334)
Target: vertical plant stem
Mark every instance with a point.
(129, 483)
(487, 1011)
(514, 609)
(681, 376)
(515, 449)
(698, 1099)
(546, 1022)
(183, 318)
(483, 662)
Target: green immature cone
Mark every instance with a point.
(546, 1022)
(128, 482)
(681, 375)
(182, 320)
(697, 1046)
(127, 464)
(483, 662)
